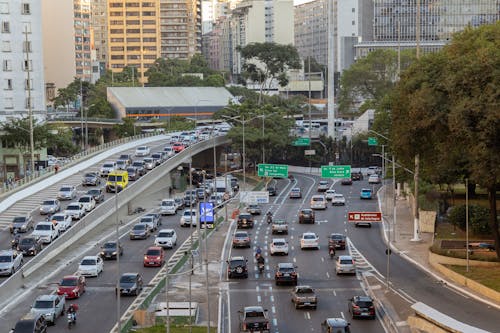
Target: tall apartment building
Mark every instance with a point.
(133, 35)
(99, 36)
(22, 76)
(311, 29)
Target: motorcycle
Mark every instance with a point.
(71, 319)
(15, 241)
(260, 265)
(331, 251)
(269, 218)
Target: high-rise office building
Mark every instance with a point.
(22, 79)
(99, 37)
(311, 29)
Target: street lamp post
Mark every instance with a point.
(196, 110)
(30, 107)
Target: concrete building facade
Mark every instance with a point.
(311, 29)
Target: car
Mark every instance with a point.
(150, 221)
(106, 168)
(241, 239)
(126, 157)
(67, 192)
(30, 323)
(131, 284)
(10, 261)
(189, 218)
(117, 181)
(279, 226)
(254, 319)
(329, 194)
(272, 189)
(217, 199)
(97, 193)
(338, 200)
(156, 216)
(21, 223)
(346, 181)
(50, 307)
(318, 202)
(29, 246)
(110, 250)
(158, 158)
(361, 307)
(63, 221)
(304, 297)
(306, 215)
(87, 202)
(90, 266)
(254, 209)
(75, 210)
(139, 164)
(154, 256)
(338, 241)
(335, 325)
(91, 179)
(133, 173)
(168, 207)
(237, 267)
(121, 164)
(345, 265)
(278, 246)
(286, 273)
(323, 185)
(142, 151)
(372, 170)
(179, 202)
(71, 286)
(50, 206)
(309, 240)
(178, 147)
(365, 193)
(149, 163)
(139, 231)
(166, 238)
(169, 150)
(245, 220)
(46, 231)
(356, 175)
(295, 193)
(374, 179)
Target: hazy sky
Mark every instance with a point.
(299, 2)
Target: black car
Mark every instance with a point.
(30, 246)
(131, 284)
(139, 164)
(139, 231)
(91, 178)
(356, 175)
(237, 267)
(133, 173)
(361, 307)
(245, 221)
(346, 181)
(286, 273)
(272, 190)
(31, 323)
(336, 241)
(97, 194)
(109, 251)
(306, 215)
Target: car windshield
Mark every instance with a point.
(336, 237)
(317, 199)
(187, 213)
(304, 291)
(27, 241)
(346, 261)
(307, 212)
(58, 218)
(146, 219)
(139, 227)
(65, 189)
(73, 207)
(236, 263)
(167, 203)
(253, 314)
(5, 259)
(241, 235)
(153, 252)
(338, 196)
(131, 170)
(88, 262)
(286, 269)
(93, 192)
(279, 222)
(43, 227)
(48, 203)
(108, 165)
(323, 183)
(309, 237)
(141, 148)
(148, 160)
(366, 191)
(113, 178)
(90, 175)
(295, 190)
(166, 234)
(19, 219)
(109, 246)
(43, 304)
(84, 199)
(364, 304)
(137, 164)
(279, 243)
(127, 279)
(68, 283)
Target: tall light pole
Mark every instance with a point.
(118, 295)
(196, 110)
(30, 107)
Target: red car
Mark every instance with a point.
(71, 286)
(154, 256)
(178, 147)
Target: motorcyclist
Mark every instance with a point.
(258, 252)
(72, 310)
(15, 240)
(331, 251)
(269, 216)
(260, 259)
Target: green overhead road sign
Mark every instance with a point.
(272, 170)
(336, 171)
(302, 142)
(372, 141)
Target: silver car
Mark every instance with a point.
(10, 261)
(107, 168)
(67, 192)
(149, 163)
(345, 265)
(51, 206)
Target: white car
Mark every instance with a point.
(150, 221)
(149, 163)
(107, 168)
(67, 192)
(88, 202)
(142, 151)
(189, 218)
(329, 194)
(90, 266)
(309, 240)
(169, 150)
(166, 238)
(75, 210)
(338, 199)
(345, 265)
(323, 185)
(318, 202)
(63, 221)
(278, 246)
(46, 232)
(168, 207)
(374, 179)
(10, 261)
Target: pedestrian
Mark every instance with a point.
(56, 168)
(170, 190)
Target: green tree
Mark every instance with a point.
(15, 134)
(179, 124)
(127, 128)
(264, 62)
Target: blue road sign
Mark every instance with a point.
(206, 212)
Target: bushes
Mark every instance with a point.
(478, 218)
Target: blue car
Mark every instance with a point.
(366, 193)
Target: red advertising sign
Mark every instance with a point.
(365, 217)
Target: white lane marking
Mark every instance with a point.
(327, 275)
(322, 259)
(275, 322)
(294, 259)
(308, 315)
(272, 298)
(273, 309)
(334, 292)
(455, 291)
(257, 288)
(259, 299)
(342, 314)
(410, 299)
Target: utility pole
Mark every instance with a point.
(331, 71)
(416, 229)
(30, 108)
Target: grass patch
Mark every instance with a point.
(487, 276)
(175, 329)
(460, 253)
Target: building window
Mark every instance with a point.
(354, 10)
(353, 22)
(26, 10)
(9, 103)
(27, 46)
(5, 27)
(8, 84)
(28, 84)
(7, 65)
(27, 65)
(4, 7)
(6, 46)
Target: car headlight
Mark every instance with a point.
(114, 253)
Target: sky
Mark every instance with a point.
(299, 2)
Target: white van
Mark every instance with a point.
(318, 202)
(168, 207)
